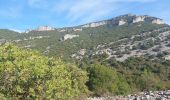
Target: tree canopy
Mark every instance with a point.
(29, 75)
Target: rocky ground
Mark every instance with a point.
(151, 95)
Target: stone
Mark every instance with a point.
(121, 22)
(77, 29)
(158, 21)
(139, 19)
(44, 28)
(82, 52)
(167, 57)
(68, 36)
(152, 95)
(95, 24)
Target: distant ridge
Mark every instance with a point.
(116, 21)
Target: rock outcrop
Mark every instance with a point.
(128, 18)
(77, 29)
(45, 28)
(68, 36)
(167, 57)
(117, 21)
(95, 24)
(157, 21)
(121, 22)
(62, 30)
(139, 19)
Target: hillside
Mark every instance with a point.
(119, 38)
(119, 56)
(7, 35)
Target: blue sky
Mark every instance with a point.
(29, 14)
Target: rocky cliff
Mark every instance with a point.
(125, 19)
(117, 21)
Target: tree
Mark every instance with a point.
(148, 81)
(26, 74)
(104, 80)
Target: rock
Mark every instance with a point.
(82, 52)
(62, 30)
(152, 95)
(121, 22)
(167, 57)
(95, 24)
(158, 21)
(139, 19)
(68, 36)
(77, 29)
(44, 28)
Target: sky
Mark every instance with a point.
(29, 14)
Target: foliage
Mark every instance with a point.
(133, 75)
(26, 74)
(104, 80)
(8, 34)
(89, 38)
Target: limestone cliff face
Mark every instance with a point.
(106, 22)
(125, 19)
(158, 21)
(139, 19)
(147, 19)
(121, 22)
(44, 28)
(117, 21)
(77, 29)
(68, 36)
(95, 24)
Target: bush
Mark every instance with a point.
(28, 75)
(133, 75)
(104, 81)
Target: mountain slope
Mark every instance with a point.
(7, 35)
(119, 38)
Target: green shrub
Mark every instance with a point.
(104, 80)
(28, 75)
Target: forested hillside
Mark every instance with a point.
(121, 37)
(119, 56)
(28, 74)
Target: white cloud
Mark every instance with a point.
(80, 10)
(84, 10)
